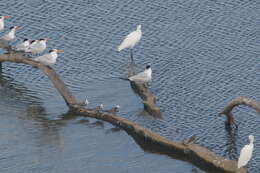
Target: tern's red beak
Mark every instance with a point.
(18, 27)
(6, 17)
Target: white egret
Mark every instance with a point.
(131, 40)
(23, 46)
(2, 22)
(142, 77)
(246, 152)
(11, 34)
(49, 58)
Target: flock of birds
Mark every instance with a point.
(38, 46)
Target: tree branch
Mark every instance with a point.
(147, 139)
(17, 57)
(236, 102)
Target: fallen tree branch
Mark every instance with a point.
(147, 139)
(52, 75)
(236, 102)
(149, 99)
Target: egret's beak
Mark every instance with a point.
(60, 51)
(6, 17)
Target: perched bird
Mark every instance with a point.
(114, 109)
(246, 152)
(2, 22)
(131, 40)
(23, 46)
(142, 77)
(49, 58)
(86, 102)
(38, 46)
(11, 34)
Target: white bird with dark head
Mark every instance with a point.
(11, 34)
(131, 39)
(142, 77)
(2, 22)
(23, 46)
(49, 58)
(38, 46)
(246, 153)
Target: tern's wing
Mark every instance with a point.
(43, 58)
(139, 77)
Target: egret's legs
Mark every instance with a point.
(131, 55)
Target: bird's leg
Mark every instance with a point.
(131, 56)
(0, 67)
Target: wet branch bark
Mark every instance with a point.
(148, 140)
(236, 102)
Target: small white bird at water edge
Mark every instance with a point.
(246, 153)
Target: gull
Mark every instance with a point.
(246, 152)
(2, 22)
(23, 46)
(142, 77)
(37, 46)
(11, 34)
(131, 40)
(49, 58)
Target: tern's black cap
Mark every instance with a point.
(25, 39)
(12, 27)
(148, 66)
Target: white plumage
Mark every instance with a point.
(131, 39)
(2, 22)
(142, 77)
(11, 34)
(246, 152)
(49, 58)
(38, 46)
(23, 46)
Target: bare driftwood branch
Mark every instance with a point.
(236, 102)
(147, 139)
(149, 99)
(52, 75)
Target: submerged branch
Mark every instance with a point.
(148, 140)
(236, 102)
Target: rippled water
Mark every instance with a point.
(203, 54)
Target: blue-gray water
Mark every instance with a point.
(203, 54)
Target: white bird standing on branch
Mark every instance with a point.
(49, 58)
(11, 34)
(23, 46)
(2, 22)
(142, 77)
(246, 152)
(131, 40)
(38, 46)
